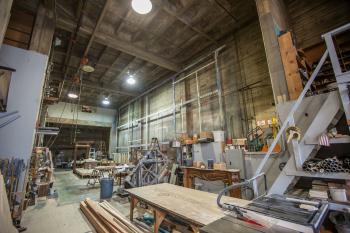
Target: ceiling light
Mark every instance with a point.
(87, 68)
(106, 101)
(72, 95)
(141, 6)
(131, 80)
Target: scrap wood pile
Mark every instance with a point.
(105, 218)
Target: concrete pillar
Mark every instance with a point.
(5, 13)
(273, 20)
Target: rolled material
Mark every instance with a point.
(329, 165)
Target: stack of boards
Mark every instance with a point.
(105, 218)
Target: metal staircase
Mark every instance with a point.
(312, 115)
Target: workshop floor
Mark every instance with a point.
(62, 214)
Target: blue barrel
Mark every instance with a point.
(106, 189)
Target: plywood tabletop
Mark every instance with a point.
(189, 204)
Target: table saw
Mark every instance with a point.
(273, 213)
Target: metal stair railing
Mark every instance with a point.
(290, 119)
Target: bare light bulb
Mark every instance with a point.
(131, 80)
(72, 95)
(106, 101)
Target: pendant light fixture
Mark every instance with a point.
(141, 6)
(106, 101)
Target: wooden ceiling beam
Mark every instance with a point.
(110, 67)
(124, 71)
(188, 24)
(97, 26)
(123, 46)
(96, 86)
(74, 33)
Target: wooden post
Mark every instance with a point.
(273, 20)
(5, 13)
(290, 64)
(44, 28)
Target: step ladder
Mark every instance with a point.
(322, 111)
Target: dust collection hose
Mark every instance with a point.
(237, 185)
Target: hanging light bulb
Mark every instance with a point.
(72, 95)
(131, 80)
(106, 101)
(141, 6)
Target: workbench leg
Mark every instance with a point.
(158, 219)
(195, 229)
(234, 192)
(133, 203)
(186, 179)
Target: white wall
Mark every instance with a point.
(102, 116)
(17, 138)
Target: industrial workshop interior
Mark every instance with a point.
(174, 116)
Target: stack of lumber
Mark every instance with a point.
(105, 218)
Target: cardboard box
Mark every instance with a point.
(206, 134)
(219, 166)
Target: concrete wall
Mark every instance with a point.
(17, 138)
(68, 114)
(242, 63)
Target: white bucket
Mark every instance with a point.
(338, 194)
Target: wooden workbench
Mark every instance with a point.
(197, 208)
(227, 176)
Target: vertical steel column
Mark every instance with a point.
(182, 117)
(174, 107)
(147, 125)
(140, 141)
(128, 142)
(219, 87)
(199, 104)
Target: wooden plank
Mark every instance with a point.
(5, 12)
(189, 204)
(100, 228)
(290, 64)
(5, 219)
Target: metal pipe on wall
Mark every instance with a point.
(219, 87)
(174, 108)
(199, 103)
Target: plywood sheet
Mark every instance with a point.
(5, 220)
(189, 204)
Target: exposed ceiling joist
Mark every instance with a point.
(124, 71)
(96, 28)
(92, 85)
(188, 24)
(120, 45)
(110, 67)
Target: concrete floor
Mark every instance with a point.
(62, 214)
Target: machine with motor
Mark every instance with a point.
(275, 213)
